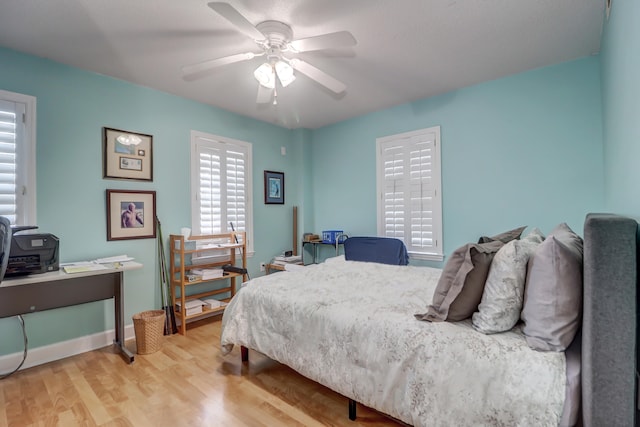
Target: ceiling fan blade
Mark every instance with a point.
(264, 94)
(319, 76)
(325, 41)
(229, 13)
(201, 69)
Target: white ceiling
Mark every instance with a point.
(407, 49)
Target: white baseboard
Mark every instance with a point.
(60, 350)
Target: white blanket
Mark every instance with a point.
(350, 326)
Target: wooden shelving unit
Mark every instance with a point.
(204, 251)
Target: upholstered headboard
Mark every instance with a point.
(610, 321)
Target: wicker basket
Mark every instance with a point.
(149, 330)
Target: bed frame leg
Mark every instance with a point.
(352, 409)
(244, 353)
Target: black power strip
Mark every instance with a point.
(234, 269)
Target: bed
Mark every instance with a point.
(360, 318)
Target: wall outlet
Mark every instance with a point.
(263, 266)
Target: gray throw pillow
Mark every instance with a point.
(552, 307)
(460, 286)
(505, 237)
(501, 303)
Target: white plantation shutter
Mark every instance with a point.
(236, 188)
(210, 188)
(221, 170)
(409, 203)
(17, 164)
(8, 129)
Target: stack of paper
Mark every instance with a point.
(114, 259)
(205, 259)
(213, 303)
(82, 266)
(207, 273)
(284, 260)
(192, 306)
(117, 261)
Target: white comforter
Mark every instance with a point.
(350, 326)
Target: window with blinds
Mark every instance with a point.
(221, 185)
(409, 191)
(17, 158)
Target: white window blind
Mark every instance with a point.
(408, 182)
(8, 137)
(17, 158)
(221, 185)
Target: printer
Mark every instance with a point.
(32, 253)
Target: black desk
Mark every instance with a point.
(40, 292)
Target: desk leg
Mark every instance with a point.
(118, 293)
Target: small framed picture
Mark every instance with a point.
(273, 188)
(130, 164)
(131, 214)
(127, 155)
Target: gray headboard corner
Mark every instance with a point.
(610, 321)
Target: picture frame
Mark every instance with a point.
(131, 214)
(273, 188)
(127, 155)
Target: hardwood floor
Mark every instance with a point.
(186, 383)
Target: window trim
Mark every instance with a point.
(437, 180)
(27, 208)
(196, 138)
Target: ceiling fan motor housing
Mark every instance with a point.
(277, 34)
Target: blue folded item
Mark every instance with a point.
(383, 250)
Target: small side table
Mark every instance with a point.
(273, 267)
(314, 248)
(277, 267)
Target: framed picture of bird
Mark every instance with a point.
(273, 188)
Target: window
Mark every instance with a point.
(17, 158)
(409, 191)
(221, 185)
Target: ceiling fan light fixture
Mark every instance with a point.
(265, 75)
(285, 73)
(273, 38)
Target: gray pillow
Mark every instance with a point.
(553, 292)
(501, 303)
(460, 286)
(505, 237)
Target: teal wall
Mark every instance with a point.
(521, 150)
(621, 108)
(72, 107)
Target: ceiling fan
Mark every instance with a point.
(274, 38)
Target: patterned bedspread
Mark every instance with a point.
(350, 326)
